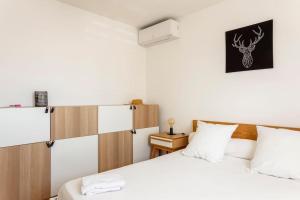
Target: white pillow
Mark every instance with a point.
(277, 153)
(241, 148)
(210, 141)
(191, 135)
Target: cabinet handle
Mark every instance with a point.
(133, 131)
(47, 110)
(134, 107)
(52, 110)
(50, 143)
(130, 107)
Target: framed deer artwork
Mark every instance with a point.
(250, 48)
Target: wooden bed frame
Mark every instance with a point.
(244, 131)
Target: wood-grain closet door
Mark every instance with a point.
(145, 124)
(145, 116)
(25, 172)
(115, 150)
(74, 121)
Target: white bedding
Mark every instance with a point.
(176, 177)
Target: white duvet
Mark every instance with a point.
(176, 177)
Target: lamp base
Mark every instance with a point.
(171, 132)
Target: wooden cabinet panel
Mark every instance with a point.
(141, 145)
(23, 126)
(115, 150)
(114, 118)
(145, 116)
(75, 121)
(25, 172)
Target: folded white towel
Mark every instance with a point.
(99, 191)
(101, 183)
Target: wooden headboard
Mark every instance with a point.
(244, 131)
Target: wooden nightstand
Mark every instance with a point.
(167, 143)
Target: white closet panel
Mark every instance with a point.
(23, 126)
(73, 158)
(141, 146)
(115, 118)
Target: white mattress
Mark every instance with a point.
(176, 177)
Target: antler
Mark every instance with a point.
(259, 34)
(235, 41)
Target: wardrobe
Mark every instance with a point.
(42, 148)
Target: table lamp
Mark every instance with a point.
(171, 123)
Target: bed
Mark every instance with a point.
(177, 177)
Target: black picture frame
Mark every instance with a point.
(250, 47)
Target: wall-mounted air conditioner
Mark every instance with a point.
(159, 33)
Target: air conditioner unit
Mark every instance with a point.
(159, 33)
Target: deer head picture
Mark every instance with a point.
(250, 47)
(246, 51)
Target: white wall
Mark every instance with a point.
(187, 77)
(78, 57)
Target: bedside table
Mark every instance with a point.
(167, 143)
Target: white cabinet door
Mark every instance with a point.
(73, 158)
(115, 118)
(24, 126)
(141, 146)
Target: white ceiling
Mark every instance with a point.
(140, 13)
